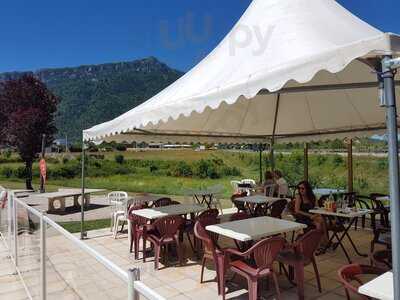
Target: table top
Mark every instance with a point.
(327, 191)
(170, 210)
(65, 193)
(379, 288)
(342, 214)
(258, 199)
(255, 228)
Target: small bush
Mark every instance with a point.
(6, 172)
(119, 159)
(20, 172)
(120, 147)
(182, 169)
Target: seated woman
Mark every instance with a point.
(305, 201)
(282, 185)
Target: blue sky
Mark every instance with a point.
(57, 33)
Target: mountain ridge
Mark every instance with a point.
(92, 94)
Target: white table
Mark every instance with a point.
(61, 196)
(379, 288)
(352, 216)
(255, 228)
(170, 210)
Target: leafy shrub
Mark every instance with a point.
(122, 170)
(337, 160)
(20, 172)
(120, 147)
(182, 169)
(119, 159)
(6, 172)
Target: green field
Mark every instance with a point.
(171, 171)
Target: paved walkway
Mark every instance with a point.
(10, 284)
(73, 274)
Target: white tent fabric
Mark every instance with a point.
(248, 87)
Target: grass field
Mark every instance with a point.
(370, 173)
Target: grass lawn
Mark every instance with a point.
(75, 227)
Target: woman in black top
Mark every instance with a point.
(304, 202)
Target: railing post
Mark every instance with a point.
(133, 275)
(15, 233)
(9, 217)
(43, 258)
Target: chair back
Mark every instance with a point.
(252, 182)
(308, 243)
(266, 251)
(208, 217)
(162, 202)
(135, 219)
(238, 204)
(168, 227)
(349, 274)
(209, 241)
(240, 216)
(277, 208)
(117, 197)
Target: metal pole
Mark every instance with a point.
(350, 176)
(306, 161)
(261, 168)
(15, 233)
(133, 275)
(43, 153)
(83, 233)
(9, 217)
(278, 99)
(391, 119)
(43, 258)
(272, 156)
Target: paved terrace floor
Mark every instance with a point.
(72, 274)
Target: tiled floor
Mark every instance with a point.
(73, 274)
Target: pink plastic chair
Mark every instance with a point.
(165, 231)
(349, 274)
(211, 250)
(207, 217)
(301, 254)
(137, 227)
(264, 254)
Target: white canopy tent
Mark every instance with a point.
(304, 72)
(289, 69)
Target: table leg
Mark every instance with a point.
(76, 203)
(346, 233)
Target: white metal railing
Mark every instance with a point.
(9, 233)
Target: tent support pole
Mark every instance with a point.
(278, 100)
(391, 118)
(306, 161)
(261, 168)
(83, 233)
(350, 170)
